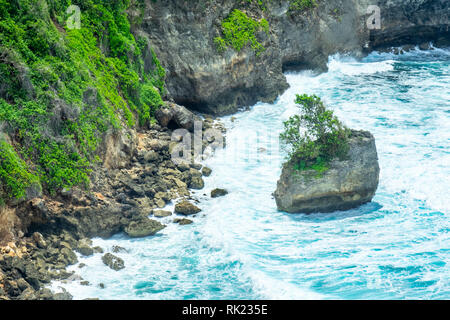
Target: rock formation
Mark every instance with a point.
(347, 184)
(198, 76)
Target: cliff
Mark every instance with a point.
(183, 32)
(81, 154)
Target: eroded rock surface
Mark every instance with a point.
(198, 76)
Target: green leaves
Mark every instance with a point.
(315, 136)
(15, 174)
(150, 101)
(239, 30)
(302, 5)
(61, 88)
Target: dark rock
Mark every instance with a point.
(98, 249)
(172, 114)
(206, 171)
(143, 228)
(84, 247)
(39, 240)
(28, 294)
(22, 284)
(113, 262)
(118, 249)
(186, 208)
(196, 166)
(346, 184)
(183, 221)
(63, 296)
(161, 213)
(218, 193)
(68, 256)
(45, 294)
(151, 156)
(196, 183)
(11, 287)
(182, 166)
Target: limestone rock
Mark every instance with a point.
(161, 213)
(346, 184)
(206, 171)
(186, 208)
(39, 240)
(219, 83)
(173, 114)
(113, 262)
(143, 228)
(84, 247)
(183, 221)
(218, 193)
(196, 183)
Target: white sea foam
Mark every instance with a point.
(241, 247)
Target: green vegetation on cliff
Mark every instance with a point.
(315, 136)
(239, 30)
(14, 172)
(63, 88)
(302, 5)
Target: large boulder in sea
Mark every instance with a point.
(347, 184)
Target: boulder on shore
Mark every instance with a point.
(143, 228)
(186, 208)
(179, 115)
(347, 184)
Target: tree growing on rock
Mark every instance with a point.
(315, 136)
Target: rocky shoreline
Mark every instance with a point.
(138, 179)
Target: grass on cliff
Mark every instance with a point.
(15, 174)
(62, 88)
(239, 30)
(315, 136)
(302, 5)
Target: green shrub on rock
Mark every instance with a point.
(239, 30)
(15, 175)
(302, 5)
(315, 136)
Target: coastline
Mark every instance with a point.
(58, 252)
(64, 225)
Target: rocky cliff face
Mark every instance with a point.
(345, 185)
(200, 77)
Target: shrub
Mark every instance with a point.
(240, 30)
(150, 102)
(302, 5)
(315, 136)
(15, 175)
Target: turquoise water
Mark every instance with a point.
(241, 247)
